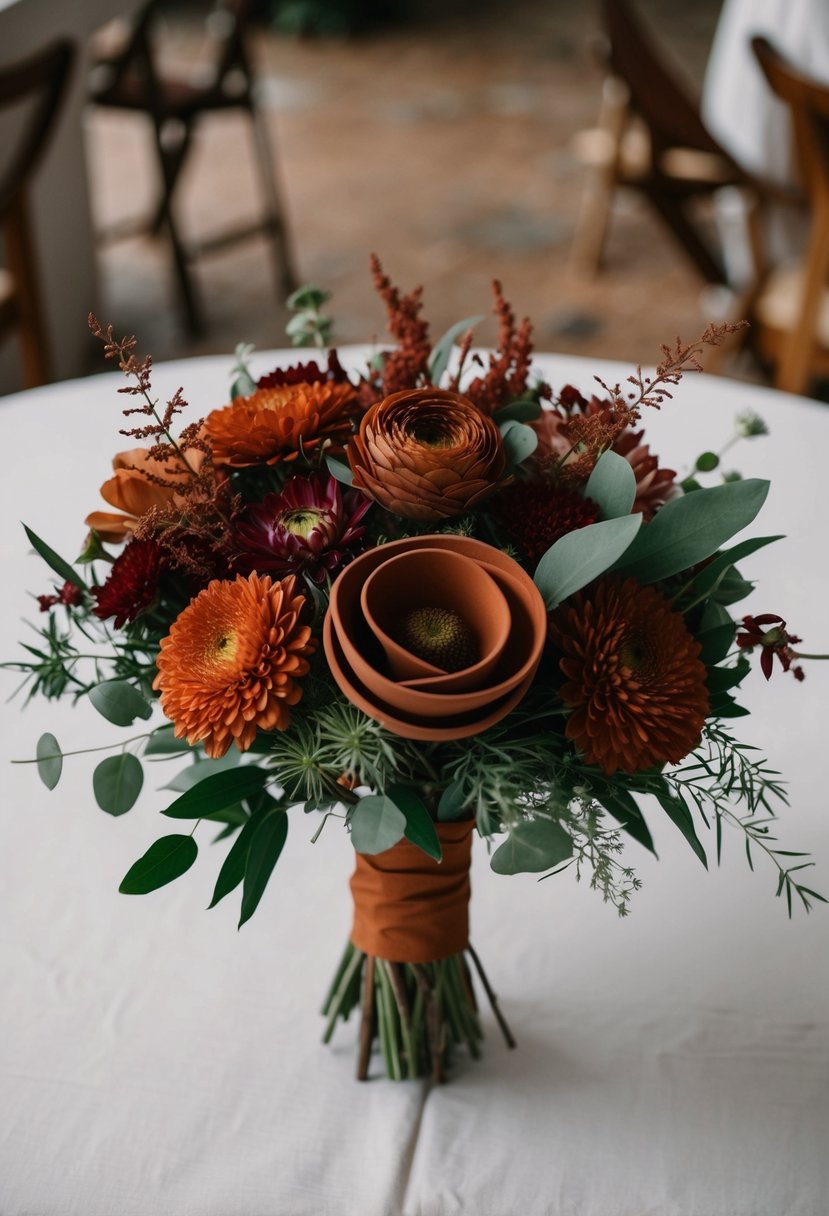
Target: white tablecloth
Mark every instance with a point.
(156, 1062)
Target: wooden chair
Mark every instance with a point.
(789, 305)
(39, 83)
(133, 80)
(652, 139)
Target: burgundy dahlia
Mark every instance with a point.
(313, 526)
(305, 373)
(535, 514)
(131, 584)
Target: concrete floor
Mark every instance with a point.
(446, 146)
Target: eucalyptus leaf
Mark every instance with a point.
(117, 782)
(163, 742)
(532, 846)
(119, 702)
(49, 760)
(688, 529)
(612, 485)
(452, 802)
(217, 792)
(439, 358)
(580, 556)
(376, 824)
(519, 442)
(518, 411)
(165, 860)
(61, 567)
(420, 829)
(233, 867)
(265, 847)
(339, 470)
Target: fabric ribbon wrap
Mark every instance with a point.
(409, 908)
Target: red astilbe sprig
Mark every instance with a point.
(676, 362)
(407, 366)
(509, 367)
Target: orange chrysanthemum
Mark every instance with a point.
(274, 424)
(230, 664)
(634, 678)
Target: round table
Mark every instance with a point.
(156, 1062)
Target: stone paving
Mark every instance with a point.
(446, 146)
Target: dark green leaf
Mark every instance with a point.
(708, 578)
(54, 560)
(162, 742)
(723, 706)
(168, 858)
(217, 792)
(452, 803)
(732, 587)
(49, 760)
(714, 615)
(678, 813)
(439, 358)
(420, 829)
(580, 556)
(518, 411)
(689, 529)
(707, 462)
(119, 702)
(376, 824)
(532, 846)
(622, 806)
(233, 868)
(117, 782)
(339, 470)
(612, 485)
(265, 846)
(519, 441)
(720, 679)
(716, 643)
(192, 774)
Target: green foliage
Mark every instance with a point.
(164, 861)
(376, 824)
(49, 760)
(233, 868)
(519, 442)
(707, 462)
(339, 470)
(119, 702)
(308, 326)
(533, 845)
(612, 485)
(420, 829)
(523, 409)
(117, 782)
(689, 529)
(163, 742)
(266, 844)
(193, 774)
(242, 382)
(54, 560)
(579, 557)
(217, 792)
(439, 358)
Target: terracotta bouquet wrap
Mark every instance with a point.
(434, 600)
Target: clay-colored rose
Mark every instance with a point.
(427, 454)
(470, 608)
(133, 494)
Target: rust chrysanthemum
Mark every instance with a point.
(535, 514)
(131, 584)
(634, 679)
(230, 664)
(427, 454)
(277, 423)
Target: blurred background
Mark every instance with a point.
(461, 141)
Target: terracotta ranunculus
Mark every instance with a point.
(435, 637)
(427, 454)
(133, 494)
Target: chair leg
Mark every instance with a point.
(794, 369)
(186, 287)
(175, 162)
(280, 243)
(34, 342)
(601, 180)
(672, 213)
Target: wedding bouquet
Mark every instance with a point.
(425, 598)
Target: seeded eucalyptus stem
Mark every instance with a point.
(417, 1013)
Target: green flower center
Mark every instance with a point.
(439, 636)
(301, 521)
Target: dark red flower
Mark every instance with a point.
(305, 373)
(131, 584)
(68, 594)
(769, 632)
(535, 514)
(313, 525)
